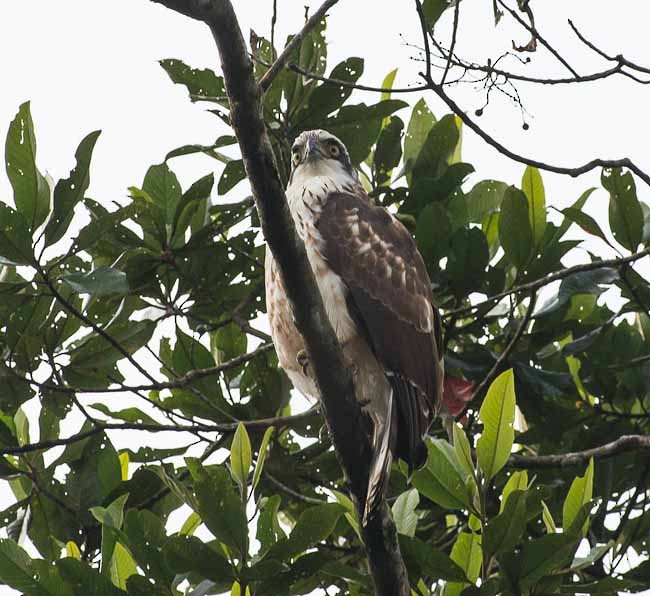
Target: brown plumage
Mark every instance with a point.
(377, 295)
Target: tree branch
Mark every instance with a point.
(224, 427)
(296, 40)
(503, 357)
(639, 443)
(334, 380)
(543, 281)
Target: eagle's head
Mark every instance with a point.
(320, 153)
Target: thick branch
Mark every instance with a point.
(296, 40)
(638, 443)
(334, 380)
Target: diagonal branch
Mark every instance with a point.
(333, 378)
(296, 40)
(543, 281)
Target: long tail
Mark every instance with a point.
(383, 439)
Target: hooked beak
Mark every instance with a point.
(312, 150)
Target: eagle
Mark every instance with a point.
(377, 296)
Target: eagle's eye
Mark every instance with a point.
(335, 150)
(295, 156)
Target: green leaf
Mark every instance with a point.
(586, 222)
(389, 149)
(103, 281)
(548, 520)
(584, 282)
(462, 449)
(313, 525)
(261, 456)
(240, 456)
(420, 124)
(161, 184)
(194, 199)
(625, 213)
(15, 239)
(31, 190)
(484, 199)
(443, 478)
(433, 9)
(578, 496)
(515, 234)
(466, 552)
(533, 187)
(184, 554)
(219, 506)
(232, 175)
(269, 531)
(468, 259)
(387, 83)
(85, 580)
(329, 97)
(15, 568)
(498, 415)
(406, 520)
(69, 192)
(517, 481)
(430, 560)
(110, 517)
(503, 532)
(433, 232)
(437, 148)
(202, 84)
(358, 126)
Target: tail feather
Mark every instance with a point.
(383, 440)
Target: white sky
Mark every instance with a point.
(91, 64)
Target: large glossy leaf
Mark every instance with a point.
(625, 213)
(184, 554)
(314, 525)
(533, 187)
(202, 84)
(389, 149)
(241, 456)
(498, 415)
(419, 126)
(436, 149)
(219, 505)
(484, 199)
(358, 126)
(69, 192)
(15, 239)
(443, 478)
(503, 532)
(515, 233)
(404, 515)
(466, 553)
(578, 496)
(429, 560)
(31, 190)
(103, 281)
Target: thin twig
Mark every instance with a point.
(536, 34)
(503, 357)
(453, 42)
(295, 494)
(296, 40)
(550, 278)
(224, 427)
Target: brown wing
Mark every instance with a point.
(390, 291)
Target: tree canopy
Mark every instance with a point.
(155, 302)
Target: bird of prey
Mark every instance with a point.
(377, 295)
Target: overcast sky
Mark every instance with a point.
(91, 64)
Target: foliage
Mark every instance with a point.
(154, 299)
